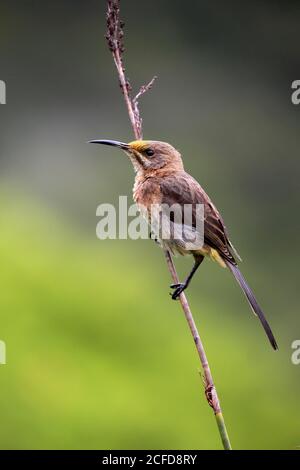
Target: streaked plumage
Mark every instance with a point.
(161, 180)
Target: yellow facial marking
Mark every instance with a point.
(139, 145)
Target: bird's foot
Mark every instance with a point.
(152, 236)
(178, 289)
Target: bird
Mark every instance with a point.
(161, 181)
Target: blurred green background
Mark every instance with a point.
(98, 356)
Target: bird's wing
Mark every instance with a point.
(181, 188)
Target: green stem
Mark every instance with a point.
(210, 389)
(223, 431)
(114, 38)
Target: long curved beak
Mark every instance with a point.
(114, 143)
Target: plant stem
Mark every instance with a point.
(223, 431)
(124, 87)
(210, 389)
(115, 42)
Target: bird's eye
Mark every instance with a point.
(149, 152)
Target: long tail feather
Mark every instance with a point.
(252, 301)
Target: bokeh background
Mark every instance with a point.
(98, 356)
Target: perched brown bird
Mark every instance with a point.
(162, 182)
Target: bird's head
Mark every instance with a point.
(148, 156)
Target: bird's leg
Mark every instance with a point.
(182, 286)
(153, 236)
